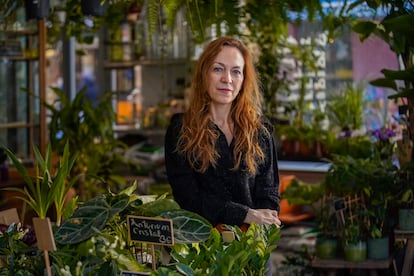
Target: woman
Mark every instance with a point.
(220, 153)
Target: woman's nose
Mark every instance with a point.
(226, 77)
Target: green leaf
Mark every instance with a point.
(129, 190)
(188, 227)
(118, 203)
(404, 93)
(401, 23)
(365, 28)
(407, 75)
(20, 168)
(185, 270)
(384, 82)
(154, 208)
(81, 226)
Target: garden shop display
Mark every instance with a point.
(95, 241)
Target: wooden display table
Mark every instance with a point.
(308, 172)
(409, 252)
(330, 266)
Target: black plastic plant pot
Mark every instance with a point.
(37, 9)
(93, 7)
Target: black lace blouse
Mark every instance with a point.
(220, 194)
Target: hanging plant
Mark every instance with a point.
(36, 9)
(93, 7)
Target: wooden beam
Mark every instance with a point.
(42, 84)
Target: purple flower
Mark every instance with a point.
(383, 134)
(345, 134)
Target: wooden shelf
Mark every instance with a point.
(18, 125)
(341, 263)
(19, 58)
(21, 32)
(145, 62)
(120, 64)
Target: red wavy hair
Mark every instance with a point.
(198, 137)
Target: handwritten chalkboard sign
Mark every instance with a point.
(151, 230)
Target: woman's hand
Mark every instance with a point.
(263, 216)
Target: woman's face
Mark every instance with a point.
(225, 76)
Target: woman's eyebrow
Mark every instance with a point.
(222, 64)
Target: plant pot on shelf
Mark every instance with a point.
(288, 147)
(93, 7)
(326, 248)
(378, 249)
(37, 9)
(355, 252)
(406, 219)
(306, 149)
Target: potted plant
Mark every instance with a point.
(87, 127)
(322, 205)
(247, 254)
(37, 9)
(346, 108)
(353, 240)
(327, 240)
(50, 185)
(93, 7)
(346, 181)
(405, 197)
(379, 203)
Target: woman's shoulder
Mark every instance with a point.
(176, 119)
(174, 128)
(267, 123)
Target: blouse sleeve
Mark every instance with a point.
(185, 187)
(266, 195)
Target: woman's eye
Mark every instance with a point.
(217, 69)
(237, 73)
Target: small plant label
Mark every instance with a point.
(9, 216)
(339, 204)
(228, 236)
(44, 234)
(151, 230)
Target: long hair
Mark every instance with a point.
(198, 138)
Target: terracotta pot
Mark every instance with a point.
(288, 148)
(305, 150)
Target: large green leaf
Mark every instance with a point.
(401, 23)
(407, 75)
(118, 203)
(365, 28)
(188, 227)
(404, 93)
(154, 208)
(90, 216)
(384, 82)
